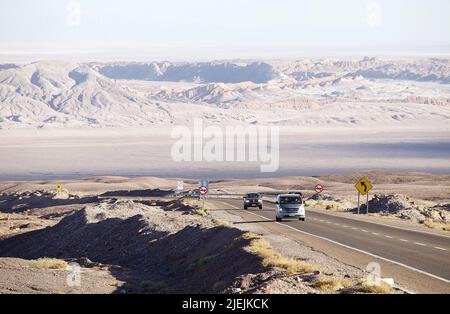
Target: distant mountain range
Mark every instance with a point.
(211, 72)
(64, 94)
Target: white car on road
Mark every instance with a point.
(290, 206)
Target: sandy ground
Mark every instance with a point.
(134, 247)
(171, 252)
(19, 276)
(128, 245)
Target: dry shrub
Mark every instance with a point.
(263, 249)
(153, 286)
(249, 235)
(332, 284)
(48, 263)
(221, 223)
(430, 223)
(200, 262)
(381, 288)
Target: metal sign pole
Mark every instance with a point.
(358, 201)
(367, 203)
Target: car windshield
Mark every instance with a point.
(290, 200)
(252, 195)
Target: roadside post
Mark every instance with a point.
(367, 203)
(363, 186)
(180, 187)
(359, 201)
(203, 190)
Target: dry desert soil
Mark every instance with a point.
(155, 244)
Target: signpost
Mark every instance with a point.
(180, 186)
(203, 190)
(363, 187)
(319, 188)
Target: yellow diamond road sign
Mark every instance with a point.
(363, 186)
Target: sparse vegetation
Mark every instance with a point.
(201, 212)
(328, 204)
(102, 267)
(430, 223)
(196, 206)
(249, 235)
(191, 202)
(153, 286)
(382, 215)
(3, 216)
(200, 262)
(221, 222)
(48, 263)
(332, 284)
(382, 288)
(263, 249)
(218, 286)
(336, 284)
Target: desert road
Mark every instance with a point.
(414, 259)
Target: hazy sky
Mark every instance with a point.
(224, 28)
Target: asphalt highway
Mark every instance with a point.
(425, 254)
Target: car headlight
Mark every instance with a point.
(247, 201)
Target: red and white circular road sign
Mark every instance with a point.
(319, 188)
(203, 190)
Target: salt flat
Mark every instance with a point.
(45, 154)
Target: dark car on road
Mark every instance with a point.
(253, 200)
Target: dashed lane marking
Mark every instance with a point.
(359, 250)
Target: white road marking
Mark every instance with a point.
(418, 243)
(388, 236)
(374, 233)
(440, 248)
(357, 250)
(363, 230)
(403, 240)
